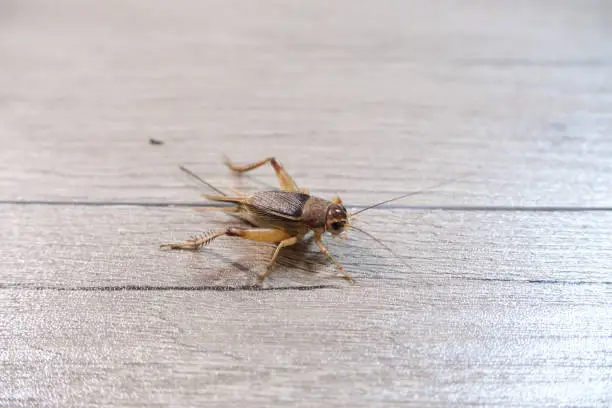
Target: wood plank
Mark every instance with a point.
(497, 308)
(101, 246)
(387, 96)
(461, 344)
(511, 324)
(505, 309)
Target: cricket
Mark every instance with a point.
(283, 217)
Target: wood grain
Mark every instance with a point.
(99, 246)
(381, 97)
(500, 291)
(499, 308)
(470, 343)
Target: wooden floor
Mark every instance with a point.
(501, 291)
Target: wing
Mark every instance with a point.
(287, 205)
(275, 209)
(271, 209)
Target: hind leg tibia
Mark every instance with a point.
(285, 180)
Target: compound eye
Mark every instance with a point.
(338, 225)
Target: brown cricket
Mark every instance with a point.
(282, 216)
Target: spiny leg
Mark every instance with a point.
(324, 249)
(285, 180)
(196, 242)
(252, 234)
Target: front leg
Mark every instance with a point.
(324, 249)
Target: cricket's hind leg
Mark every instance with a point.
(285, 180)
(252, 234)
(196, 242)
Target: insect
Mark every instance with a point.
(283, 217)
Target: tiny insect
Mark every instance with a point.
(283, 217)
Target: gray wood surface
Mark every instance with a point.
(520, 95)
(500, 291)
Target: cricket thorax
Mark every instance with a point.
(314, 212)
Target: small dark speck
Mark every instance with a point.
(155, 142)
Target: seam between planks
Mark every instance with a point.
(498, 208)
(147, 288)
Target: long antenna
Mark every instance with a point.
(380, 242)
(408, 195)
(198, 178)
